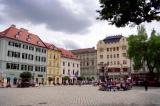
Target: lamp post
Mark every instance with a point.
(103, 71)
(121, 69)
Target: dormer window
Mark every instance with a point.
(16, 36)
(29, 39)
(18, 33)
(38, 42)
(29, 36)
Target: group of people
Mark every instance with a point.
(115, 84)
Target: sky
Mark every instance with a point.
(68, 24)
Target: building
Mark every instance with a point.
(53, 64)
(112, 53)
(22, 51)
(70, 65)
(88, 58)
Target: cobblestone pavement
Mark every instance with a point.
(77, 96)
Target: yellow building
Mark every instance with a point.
(53, 65)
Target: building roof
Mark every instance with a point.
(112, 39)
(22, 35)
(51, 46)
(85, 50)
(67, 54)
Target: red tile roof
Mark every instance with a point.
(67, 54)
(84, 50)
(22, 35)
(51, 46)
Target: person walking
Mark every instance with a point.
(146, 85)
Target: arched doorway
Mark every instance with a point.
(57, 81)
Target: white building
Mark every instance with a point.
(70, 65)
(22, 51)
(112, 51)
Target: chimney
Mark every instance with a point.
(22, 29)
(13, 26)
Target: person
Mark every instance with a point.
(146, 85)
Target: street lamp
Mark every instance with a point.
(103, 71)
(121, 70)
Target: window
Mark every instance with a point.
(68, 64)
(30, 57)
(25, 46)
(114, 62)
(63, 63)
(8, 66)
(92, 62)
(30, 68)
(13, 54)
(15, 44)
(24, 56)
(73, 64)
(38, 49)
(117, 48)
(68, 72)
(101, 49)
(73, 72)
(43, 59)
(124, 62)
(37, 68)
(124, 54)
(107, 49)
(118, 62)
(114, 55)
(77, 65)
(110, 56)
(12, 66)
(114, 49)
(107, 56)
(124, 47)
(117, 55)
(31, 48)
(63, 71)
(9, 53)
(110, 49)
(101, 56)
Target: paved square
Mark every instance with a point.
(77, 96)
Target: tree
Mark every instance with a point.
(144, 51)
(25, 76)
(124, 12)
(66, 78)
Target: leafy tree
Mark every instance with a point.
(124, 12)
(25, 76)
(144, 51)
(66, 78)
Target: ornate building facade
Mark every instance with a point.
(112, 51)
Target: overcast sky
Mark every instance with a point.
(69, 24)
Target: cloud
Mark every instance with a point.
(69, 44)
(52, 13)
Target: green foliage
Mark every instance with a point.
(66, 78)
(25, 76)
(144, 51)
(124, 12)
